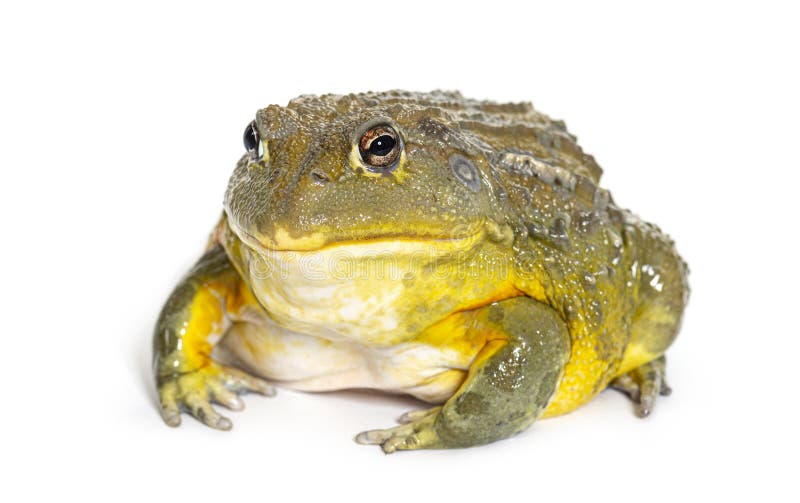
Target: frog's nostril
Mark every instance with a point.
(274, 174)
(319, 176)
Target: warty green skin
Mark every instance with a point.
(610, 281)
(511, 389)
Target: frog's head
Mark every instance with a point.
(336, 169)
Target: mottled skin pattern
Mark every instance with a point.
(524, 288)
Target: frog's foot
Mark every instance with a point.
(644, 384)
(416, 431)
(194, 392)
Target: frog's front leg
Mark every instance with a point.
(509, 384)
(190, 324)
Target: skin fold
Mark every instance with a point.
(468, 258)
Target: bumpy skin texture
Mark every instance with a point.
(523, 289)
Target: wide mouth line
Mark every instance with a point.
(374, 242)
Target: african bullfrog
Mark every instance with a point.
(455, 250)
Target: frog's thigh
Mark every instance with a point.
(507, 390)
(509, 385)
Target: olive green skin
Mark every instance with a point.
(603, 293)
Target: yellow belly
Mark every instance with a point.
(429, 372)
(369, 315)
(385, 315)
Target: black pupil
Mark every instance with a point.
(382, 145)
(250, 138)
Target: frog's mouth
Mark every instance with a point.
(460, 239)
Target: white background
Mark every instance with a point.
(119, 126)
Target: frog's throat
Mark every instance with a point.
(376, 292)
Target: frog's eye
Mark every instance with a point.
(380, 148)
(252, 142)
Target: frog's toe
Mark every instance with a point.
(168, 404)
(644, 384)
(238, 381)
(415, 415)
(666, 390)
(224, 396)
(627, 385)
(200, 408)
(416, 433)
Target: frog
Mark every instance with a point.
(456, 250)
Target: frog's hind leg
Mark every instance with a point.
(661, 291)
(509, 384)
(644, 384)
